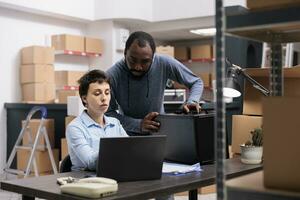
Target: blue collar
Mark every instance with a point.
(88, 121)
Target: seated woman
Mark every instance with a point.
(84, 132)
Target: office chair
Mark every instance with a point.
(65, 165)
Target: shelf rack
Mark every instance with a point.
(275, 26)
(76, 53)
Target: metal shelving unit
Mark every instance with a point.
(275, 26)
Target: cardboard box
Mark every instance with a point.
(67, 78)
(43, 92)
(63, 95)
(68, 119)
(64, 148)
(74, 106)
(33, 127)
(68, 42)
(181, 53)
(201, 51)
(207, 189)
(206, 78)
(253, 97)
(271, 4)
(93, 45)
(165, 50)
(241, 127)
(42, 160)
(37, 55)
(37, 74)
(281, 142)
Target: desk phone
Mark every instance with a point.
(93, 187)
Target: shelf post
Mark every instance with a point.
(220, 133)
(276, 76)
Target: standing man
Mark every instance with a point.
(138, 83)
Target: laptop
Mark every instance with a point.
(190, 137)
(131, 158)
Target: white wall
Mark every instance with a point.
(69, 9)
(18, 30)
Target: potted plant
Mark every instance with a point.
(252, 150)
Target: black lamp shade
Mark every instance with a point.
(232, 88)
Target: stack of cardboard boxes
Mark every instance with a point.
(42, 156)
(37, 74)
(66, 81)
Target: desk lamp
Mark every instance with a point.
(232, 87)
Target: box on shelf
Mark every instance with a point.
(206, 78)
(39, 92)
(64, 148)
(63, 95)
(74, 106)
(37, 55)
(181, 53)
(93, 45)
(34, 125)
(42, 160)
(37, 73)
(68, 42)
(165, 50)
(68, 119)
(67, 78)
(281, 142)
(271, 4)
(201, 51)
(253, 97)
(241, 127)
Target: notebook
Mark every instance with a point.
(131, 158)
(190, 137)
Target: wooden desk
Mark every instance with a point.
(251, 187)
(46, 187)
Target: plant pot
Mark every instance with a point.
(251, 154)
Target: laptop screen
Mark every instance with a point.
(131, 158)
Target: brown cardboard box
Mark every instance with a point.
(241, 127)
(34, 125)
(68, 119)
(37, 55)
(201, 51)
(67, 78)
(181, 53)
(165, 50)
(253, 97)
(93, 45)
(207, 190)
(63, 95)
(271, 4)
(42, 160)
(206, 78)
(64, 148)
(68, 42)
(281, 142)
(44, 92)
(37, 73)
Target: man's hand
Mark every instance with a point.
(187, 107)
(148, 124)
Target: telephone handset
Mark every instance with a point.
(93, 187)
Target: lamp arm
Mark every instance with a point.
(255, 84)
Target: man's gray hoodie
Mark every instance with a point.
(135, 97)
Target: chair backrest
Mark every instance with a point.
(65, 165)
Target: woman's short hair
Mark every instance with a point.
(92, 76)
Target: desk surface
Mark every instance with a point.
(46, 186)
(251, 187)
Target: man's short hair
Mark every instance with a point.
(143, 38)
(92, 76)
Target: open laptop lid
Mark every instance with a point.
(131, 158)
(190, 137)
